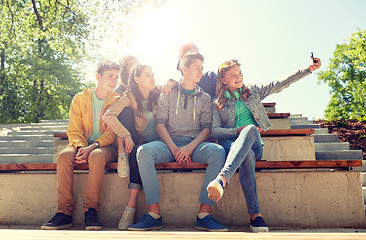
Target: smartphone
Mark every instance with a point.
(312, 56)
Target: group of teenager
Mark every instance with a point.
(141, 124)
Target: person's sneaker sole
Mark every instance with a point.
(215, 191)
(144, 229)
(122, 172)
(212, 230)
(66, 226)
(127, 220)
(258, 229)
(93, 228)
(124, 226)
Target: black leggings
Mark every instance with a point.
(127, 118)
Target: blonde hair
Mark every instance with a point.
(221, 87)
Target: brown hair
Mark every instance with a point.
(105, 65)
(123, 75)
(189, 57)
(133, 88)
(221, 88)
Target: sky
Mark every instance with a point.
(270, 38)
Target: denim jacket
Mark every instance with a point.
(223, 125)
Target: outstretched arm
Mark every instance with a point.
(285, 82)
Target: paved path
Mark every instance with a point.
(162, 235)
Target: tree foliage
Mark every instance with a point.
(45, 45)
(41, 42)
(346, 76)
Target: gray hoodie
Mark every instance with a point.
(184, 115)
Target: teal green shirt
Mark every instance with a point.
(97, 110)
(243, 115)
(186, 92)
(149, 134)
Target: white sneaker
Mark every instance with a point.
(215, 190)
(123, 166)
(127, 219)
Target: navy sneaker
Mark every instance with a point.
(210, 224)
(147, 222)
(91, 220)
(58, 222)
(258, 225)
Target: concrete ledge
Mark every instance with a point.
(283, 148)
(280, 123)
(290, 148)
(292, 199)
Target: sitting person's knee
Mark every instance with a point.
(96, 156)
(67, 155)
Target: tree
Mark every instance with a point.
(346, 76)
(42, 45)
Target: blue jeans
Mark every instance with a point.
(242, 153)
(155, 152)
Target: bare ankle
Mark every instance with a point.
(223, 179)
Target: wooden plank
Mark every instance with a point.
(288, 132)
(28, 167)
(275, 132)
(60, 135)
(176, 165)
(278, 115)
(272, 104)
(308, 164)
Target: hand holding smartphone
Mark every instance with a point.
(312, 56)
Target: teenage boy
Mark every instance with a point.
(208, 80)
(183, 121)
(90, 141)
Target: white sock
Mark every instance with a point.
(203, 215)
(154, 215)
(122, 154)
(128, 209)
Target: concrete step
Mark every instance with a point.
(40, 132)
(331, 146)
(363, 179)
(26, 158)
(270, 109)
(301, 126)
(363, 168)
(321, 131)
(338, 155)
(325, 138)
(22, 143)
(44, 128)
(55, 121)
(27, 137)
(27, 150)
(300, 120)
(296, 115)
(334, 199)
(14, 125)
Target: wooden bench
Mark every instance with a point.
(196, 166)
(272, 104)
(275, 132)
(278, 115)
